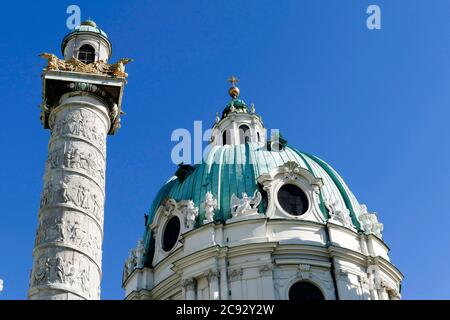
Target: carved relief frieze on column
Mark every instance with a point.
(65, 270)
(81, 105)
(77, 157)
(81, 124)
(68, 244)
(70, 229)
(73, 192)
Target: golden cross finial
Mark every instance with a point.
(233, 80)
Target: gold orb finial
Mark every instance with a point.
(233, 91)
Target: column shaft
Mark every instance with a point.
(67, 255)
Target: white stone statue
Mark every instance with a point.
(245, 205)
(338, 214)
(169, 206)
(232, 107)
(210, 206)
(139, 252)
(191, 213)
(370, 222)
(114, 112)
(130, 263)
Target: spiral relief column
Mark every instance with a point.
(81, 107)
(67, 252)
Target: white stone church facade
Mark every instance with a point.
(257, 219)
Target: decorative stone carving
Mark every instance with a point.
(67, 254)
(370, 222)
(42, 271)
(292, 166)
(338, 214)
(70, 230)
(135, 258)
(392, 292)
(232, 107)
(210, 206)
(114, 113)
(394, 295)
(188, 284)
(73, 158)
(190, 212)
(245, 205)
(130, 264)
(50, 230)
(98, 67)
(81, 123)
(212, 275)
(186, 209)
(363, 280)
(292, 170)
(139, 252)
(304, 271)
(71, 190)
(62, 271)
(169, 206)
(235, 274)
(265, 270)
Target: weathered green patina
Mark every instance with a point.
(234, 169)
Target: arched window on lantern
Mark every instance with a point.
(244, 134)
(226, 137)
(86, 54)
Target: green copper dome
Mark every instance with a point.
(234, 169)
(86, 27)
(235, 105)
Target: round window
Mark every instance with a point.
(305, 291)
(171, 233)
(292, 199)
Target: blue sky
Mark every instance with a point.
(373, 104)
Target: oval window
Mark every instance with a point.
(171, 233)
(292, 199)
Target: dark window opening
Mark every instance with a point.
(265, 199)
(171, 233)
(244, 134)
(86, 54)
(226, 137)
(292, 199)
(305, 291)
